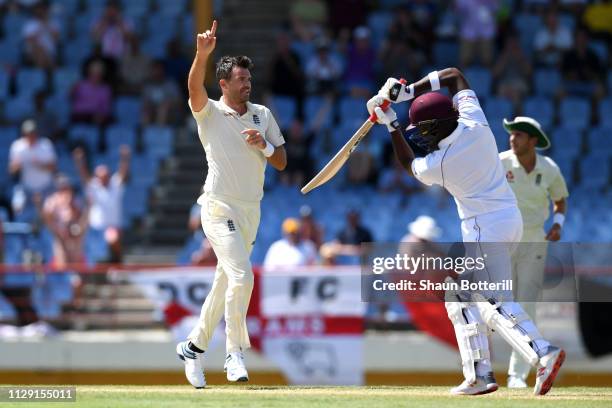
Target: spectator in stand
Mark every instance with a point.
(135, 68)
(359, 75)
(323, 70)
(66, 217)
(285, 76)
(477, 31)
(176, 64)
(308, 18)
(583, 73)
(512, 71)
(161, 97)
(551, 41)
(41, 37)
(33, 160)
(46, 119)
(104, 194)
(299, 162)
(398, 59)
(348, 241)
(92, 99)
(340, 20)
(110, 66)
(310, 229)
(395, 179)
(291, 250)
(112, 31)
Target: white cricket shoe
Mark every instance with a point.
(481, 386)
(193, 364)
(234, 367)
(516, 382)
(548, 368)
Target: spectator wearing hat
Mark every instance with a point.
(291, 250)
(323, 70)
(423, 228)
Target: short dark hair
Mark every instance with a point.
(227, 63)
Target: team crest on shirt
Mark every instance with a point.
(510, 176)
(538, 179)
(256, 120)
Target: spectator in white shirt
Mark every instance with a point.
(33, 159)
(112, 31)
(551, 41)
(105, 195)
(292, 250)
(41, 36)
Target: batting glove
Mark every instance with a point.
(395, 91)
(375, 101)
(388, 118)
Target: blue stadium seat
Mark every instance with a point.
(567, 140)
(312, 105)
(565, 160)
(353, 109)
(159, 24)
(599, 139)
(158, 141)
(446, 53)
(595, 172)
(66, 7)
(13, 23)
(546, 81)
(30, 81)
(66, 166)
(600, 48)
(64, 79)
(527, 25)
(87, 134)
(284, 108)
(18, 108)
(135, 201)
(155, 45)
(541, 109)
(10, 53)
(304, 50)
(605, 113)
(480, 80)
(575, 112)
(127, 110)
(4, 84)
(609, 81)
(143, 171)
(117, 135)
(96, 248)
(7, 135)
(136, 7)
(498, 108)
(379, 23)
(95, 6)
(74, 52)
(59, 104)
(172, 8)
(187, 34)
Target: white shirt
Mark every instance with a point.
(235, 169)
(283, 253)
(467, 163)
(535, 189)
(105, 203)
(42, 33)
(33, 177)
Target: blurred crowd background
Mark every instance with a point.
(102, 163)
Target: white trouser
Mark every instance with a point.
(496, 234)
(230, 227)
(528, 263)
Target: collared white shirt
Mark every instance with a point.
(467, 163)
(535, 189)
(235, 169)
(33, 176)
(284, 253)
(105, 202)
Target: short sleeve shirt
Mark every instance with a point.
(33, 177)
(235, 169)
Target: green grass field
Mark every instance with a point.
(298, 397)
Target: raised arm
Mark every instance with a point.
(79, 161)
(205, 44)
(125, 153)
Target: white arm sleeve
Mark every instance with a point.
(273, 133)
(203, 113)
(468, 106)
(427, 170)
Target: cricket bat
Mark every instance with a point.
(336, 163)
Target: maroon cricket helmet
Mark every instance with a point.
(430, 106)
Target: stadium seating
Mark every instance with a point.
(284, 109)
(158, 141)
(86, 134)
(605, 113)
(541, 109)
(18, 108)
(117, 135)
(127, 110)
(595, 172)
(546, 82)
(575, 113)
(479, 80)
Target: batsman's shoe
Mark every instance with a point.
(548, 368)
(481, 386)
(516, 382)
(491, 381)
(234, 367)
(193, 364)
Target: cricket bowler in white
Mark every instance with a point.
(462, 157)
(239, 138)
(536, 181)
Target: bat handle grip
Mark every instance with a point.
(373, 118)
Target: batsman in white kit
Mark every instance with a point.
(239, 138)
(461, 156)
(536, 181)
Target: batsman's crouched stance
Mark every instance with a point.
(239, 139)
(460, 154)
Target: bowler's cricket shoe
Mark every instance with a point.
(234, 367)
(548, 368)
(193, 364)
(479, 387)
(516, 382)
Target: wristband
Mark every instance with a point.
(559, 218)
(409, 92)
(268, 150)
(434, 80)
(393, 126)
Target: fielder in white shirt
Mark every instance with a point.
(462, 157)
(536, 181)
(239, 139)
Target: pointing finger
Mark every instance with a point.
(213, 29)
